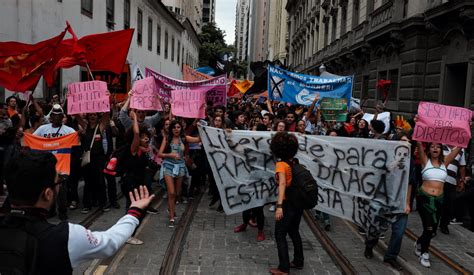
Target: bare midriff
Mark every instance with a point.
(433, 187)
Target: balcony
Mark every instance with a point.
(382, 16)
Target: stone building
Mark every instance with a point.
(160, 41)
(426, 47)
(208, 11)
(277, 31)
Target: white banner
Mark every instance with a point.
(361, 180)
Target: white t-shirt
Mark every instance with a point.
(48, 131)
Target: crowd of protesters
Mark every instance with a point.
(166, 150)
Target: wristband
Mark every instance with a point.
(136, 212)
(279, 205)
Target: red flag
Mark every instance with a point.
(21, 65)
(102, 52)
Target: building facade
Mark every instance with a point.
(406, 41)
(209, 11)
(277, 31)
(160, 41)
(258, 33)
(187, 9)
(242, 18)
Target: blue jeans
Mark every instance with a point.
(398, 229)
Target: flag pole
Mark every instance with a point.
(89, 70)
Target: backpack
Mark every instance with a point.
(118, 161)
(19, 245)
(303, 191)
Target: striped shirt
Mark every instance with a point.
(453, 167)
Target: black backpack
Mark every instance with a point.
(303, 191)
(19, 244)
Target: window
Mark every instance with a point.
(86, 7)
(405, 8)
(172, 48)
(182, 55)
(365, 87)
(179, 47)
(343, 20)
(355, 13)
(150, 34)
(177, 11)
(326, 33)
(126, 14)
(158, 39)
(166, 44)
(139, 27)
(393, 75)
(110, 7)
(334, 28)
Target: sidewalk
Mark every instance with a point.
(212, 247)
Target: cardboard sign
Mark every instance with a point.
(361, 180)
(189, 103)
(334, 109)
(145, 95)
(190, 74)
(443, 124)
(88, 97)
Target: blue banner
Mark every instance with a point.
(301, 89)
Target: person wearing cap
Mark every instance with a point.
(55, 128)
(52, 130)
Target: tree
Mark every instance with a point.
(212, 43)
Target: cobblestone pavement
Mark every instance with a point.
(458, 245)
(212, 247)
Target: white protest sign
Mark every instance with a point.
(361, 180)
(87, 97)
(384, 117)
(145, 96)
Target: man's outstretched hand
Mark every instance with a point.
(140, 197)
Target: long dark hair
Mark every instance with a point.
(441, 153)
(182, 136)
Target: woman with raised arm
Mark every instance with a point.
(173, 168)
(429, 198)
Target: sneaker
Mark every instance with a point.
(361, 231)
(382, 236)
(73, 205)
(151, 210)
(444, 230)
(213, 201)
(85, 210)
(220, 209)
(425, 260)
(134, 241)
(185, 201)
(240, 228)
(165, 196)
(260, 236)
(368, 253)
(252, 223)
(454, 221)
(272, 208)
(394, 264)
(417, 249)
(171, 223)
(106, 208)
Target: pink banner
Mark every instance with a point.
(216, 87)
(88, 97)
(145, 95)
(443, 124)
(189, 103)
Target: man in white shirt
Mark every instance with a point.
(56, 127)
(33, 185)
(53, 130)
